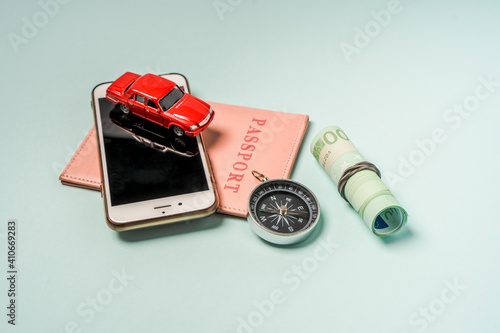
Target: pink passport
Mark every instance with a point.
(239, 140)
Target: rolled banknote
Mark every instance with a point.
(358, 181)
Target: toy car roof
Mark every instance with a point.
(152, 86)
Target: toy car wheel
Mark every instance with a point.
(124, 108)
(177, 130)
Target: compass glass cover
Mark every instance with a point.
(283, 206)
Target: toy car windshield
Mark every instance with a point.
(171, 98)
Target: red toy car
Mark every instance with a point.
(160, 101)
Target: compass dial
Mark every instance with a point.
(283, 211)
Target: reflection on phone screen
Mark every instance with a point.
(146, 161)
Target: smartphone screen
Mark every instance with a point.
(143, 162)
(148, 171)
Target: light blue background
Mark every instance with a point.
(212, 275)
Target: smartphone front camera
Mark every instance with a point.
(180, 203)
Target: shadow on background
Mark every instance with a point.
(311, 239)
(173, 229)
(304, 146)
(404, 234)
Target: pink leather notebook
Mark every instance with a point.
(239, 140)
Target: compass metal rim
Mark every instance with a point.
(278, 237)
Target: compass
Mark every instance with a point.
(282, 211)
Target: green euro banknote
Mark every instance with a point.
(364, 190)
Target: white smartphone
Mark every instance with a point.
(150, 175)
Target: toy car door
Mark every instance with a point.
(152, 113)
(136, 104)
